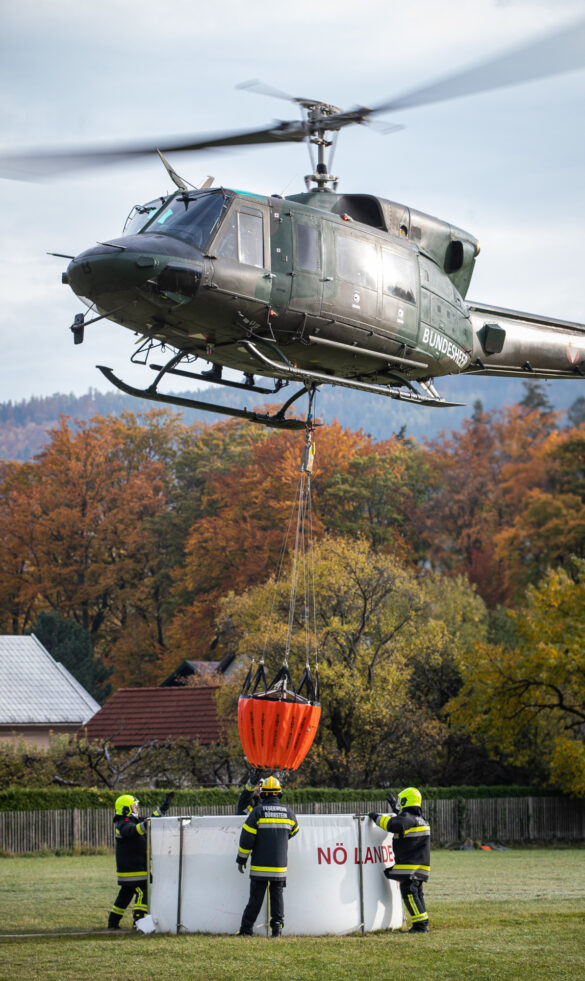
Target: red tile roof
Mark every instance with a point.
(133, 716)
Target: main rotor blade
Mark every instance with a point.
(550, 55)
(255, 85)
(260, 88)
(35, 164)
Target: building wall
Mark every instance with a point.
(38, 736)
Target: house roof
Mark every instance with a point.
(133, 716)
(206, 670)
(37, 690)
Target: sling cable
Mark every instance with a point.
(278, 722)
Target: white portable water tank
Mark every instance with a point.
(335, 881)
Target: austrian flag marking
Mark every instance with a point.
(573, 354)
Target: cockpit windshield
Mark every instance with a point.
(140, 215)
(190, 217)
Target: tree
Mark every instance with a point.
(378, 494)
(378, 626)
(526, 702)
(535, 398)
(547, 516)
(246, 511)
(576, 412)
(17, 599)
(483, 473)
(78, 762)
(80, 541)
(68, 643)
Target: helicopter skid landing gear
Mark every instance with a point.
(429, 395)
(247, 385)
(276, 421)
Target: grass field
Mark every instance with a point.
(516, 914)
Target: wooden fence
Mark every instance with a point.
(505, 820)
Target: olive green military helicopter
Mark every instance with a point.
(316, 288)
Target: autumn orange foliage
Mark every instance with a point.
(136, 527)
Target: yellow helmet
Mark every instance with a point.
(271, 786)
(126, 800)
(410, 797)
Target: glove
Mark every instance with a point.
(392, 800)
(167, 802)
(373, 816)
(241, 867)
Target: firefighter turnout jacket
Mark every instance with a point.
(411, 843)
(265, 836)
(131, 838)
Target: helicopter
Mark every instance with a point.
(316, 288)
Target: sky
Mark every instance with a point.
(507, 166)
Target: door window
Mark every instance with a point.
(307, 247)
(399, 276)
(357, 262)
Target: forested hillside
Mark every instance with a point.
(24, 425)
(449, 575)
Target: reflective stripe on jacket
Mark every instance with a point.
(264, 837)
(131, 847)
(246, 801)
(411, 843)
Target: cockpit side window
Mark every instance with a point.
(243, 239)
(228, 247)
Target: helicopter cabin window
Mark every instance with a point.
(190, 218)
(357, 261)
(399, 276)
(244, 238)
(307, 247)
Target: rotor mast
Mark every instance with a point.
(316, 123)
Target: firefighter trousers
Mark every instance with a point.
(123, 900)
(413, 898)
(257, 893)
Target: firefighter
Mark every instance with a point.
(265, 836)
(250, 795)
(131, 838)
(412, 852)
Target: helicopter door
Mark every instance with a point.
(241, 260)
(350, 293)
(281, 255)
(307, 278)
(399, 295)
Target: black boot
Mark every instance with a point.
(419, 928)
(213, 374)
(114, 921)
(277, 929)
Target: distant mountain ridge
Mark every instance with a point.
(24, 424)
